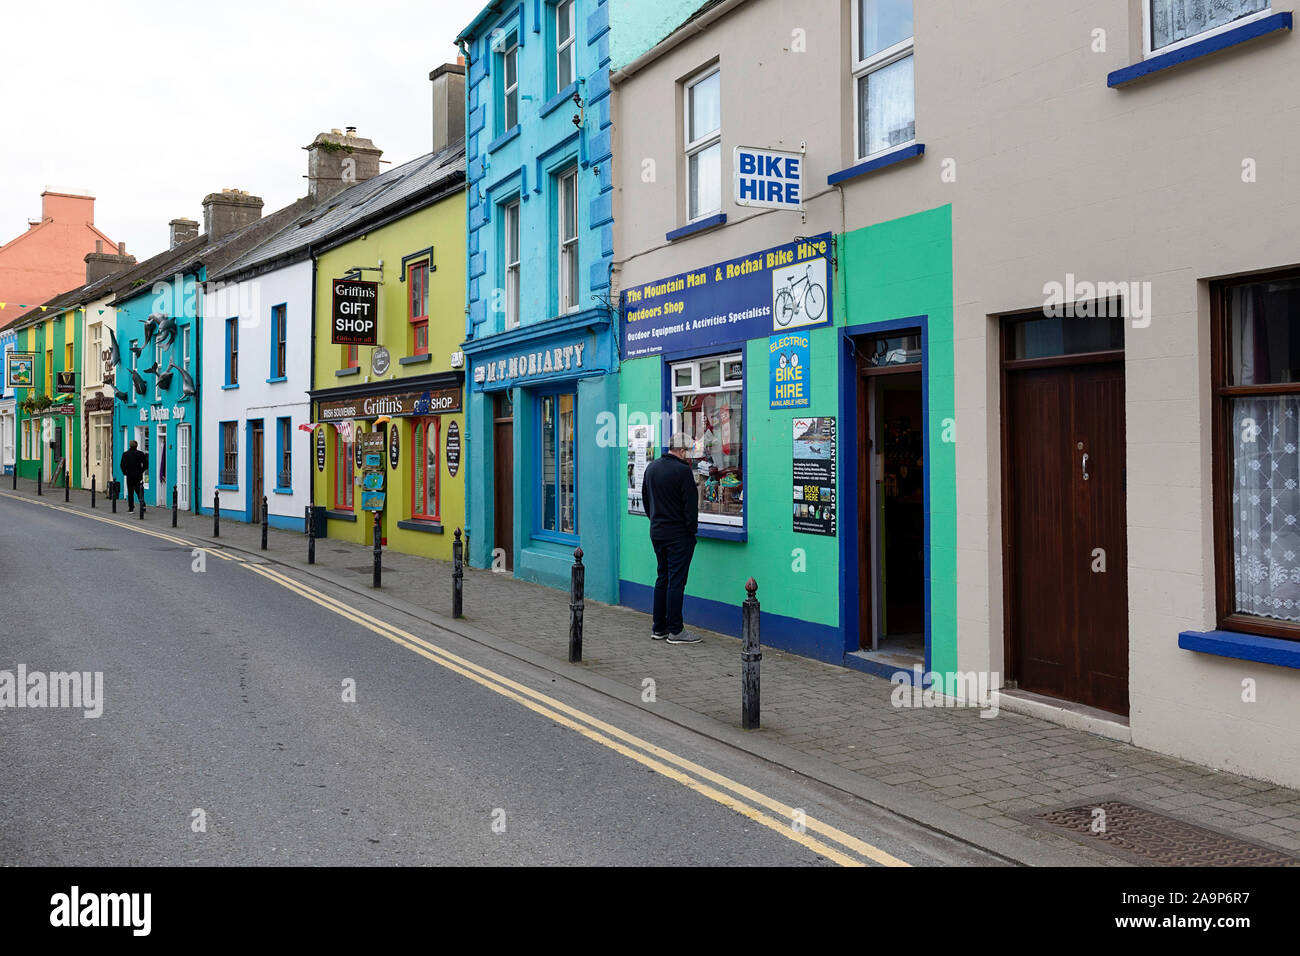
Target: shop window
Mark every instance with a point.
(510, 247)
(1257, 455)
(417, 306)
(1174, 23)
(708, 411)
(568, 240)
(229, 477)
(703, 115)
(342, 472)
(559, 513)
(279, 319)
(884, 90)
(565, 48)
(283, 454)
(425, 496)
(508, 62)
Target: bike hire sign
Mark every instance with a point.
(769, 292)
(768, 178)
(355, 315)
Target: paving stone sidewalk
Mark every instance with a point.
(998, 770)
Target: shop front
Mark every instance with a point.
(392, 449)
(543, 456)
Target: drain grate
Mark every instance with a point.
(1145, 837)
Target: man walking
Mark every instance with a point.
(133, 464)
(672, 505)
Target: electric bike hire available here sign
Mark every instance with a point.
(354, 317)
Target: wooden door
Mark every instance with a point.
(1067, 556)
(256, 486)
(503, 476)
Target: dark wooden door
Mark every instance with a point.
(504, 489)
(1068, 554)
(255, 506)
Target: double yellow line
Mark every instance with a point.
(788, 821)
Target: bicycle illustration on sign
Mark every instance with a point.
(799, 294)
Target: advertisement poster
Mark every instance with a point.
(20, 369)
(453, 449)
(639, 440)
(814, 476)
(791, 370)
(372, 477)
(776, 290)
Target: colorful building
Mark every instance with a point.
(47, 414)
(8, 409)
(540, 337)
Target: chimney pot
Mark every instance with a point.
(228, 210)
(448, 105)
(335, 161)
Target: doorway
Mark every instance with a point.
(183, 467)
(1064, 512)
(256, 464)
(56, 454)
(503, 478)
(891, 499)
(161, 498)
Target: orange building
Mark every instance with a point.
(50, 257)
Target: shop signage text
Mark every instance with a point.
(814, 476)
(320, 449)
(355, 314)
(430, 402)
(161, 413)
(768, 178)
(562, 358)
(791, 372)
(453, 449)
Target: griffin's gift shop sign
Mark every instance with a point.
(434, 401)
(355, 313)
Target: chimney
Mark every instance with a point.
(183, 230)
(336, 160)
(228, 210)
(100, 264)
(448, 105)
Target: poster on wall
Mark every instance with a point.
(372, 448)
(814, 476)
(790, 368)
(320, 449)
(453, 449)
(20, 369)
(639, 440)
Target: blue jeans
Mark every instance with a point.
(674, 556)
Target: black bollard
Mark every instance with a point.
(576, 587)
(38, 480)
(140, 502)
(175, 500)
(306, 519)
(67, 485)
(751, 654)
(379, 550)
(216, 514)
(457, 576)
(311, 534)
(15, 476)
(112, 495)
(92, 491)
(264, 521)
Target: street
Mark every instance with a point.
(251, 717)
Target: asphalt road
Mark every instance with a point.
(223, 703)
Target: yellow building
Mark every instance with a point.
(387, 389)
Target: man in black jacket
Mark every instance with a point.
(134, 464)
(672, 505)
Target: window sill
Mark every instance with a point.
(418, 524)
(340, 515)
(556, 537)
(415, 359)
(227, 487)
(227, 388)
(880, 162)
(1242, 647)
(277, 378)
(355, 370)
(504, 138)
(556, 101)
(1193, 51)
(283, 491)
(694, 227)
(721, 532)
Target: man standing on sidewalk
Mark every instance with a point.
(133, 465)
(671, 503)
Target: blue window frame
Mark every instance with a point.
(283, 455)
(555, 509)
(279, 340)
(232, 353)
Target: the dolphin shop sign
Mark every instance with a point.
(560, 360)
(161, 413)
(776, 290)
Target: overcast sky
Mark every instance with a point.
(152, 104)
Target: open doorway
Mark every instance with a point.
(891, 499)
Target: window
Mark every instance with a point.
(708, 411)
(568, 201)
(350, 356)
(94, 360)
(232, 351)
(704, 146)
(49, 372)
(69, 358)
(342, 472)
(185, 348)
(279, 335)
(229, 477)
(559, 488)
(509, 85)
(1256, 367)
(882, 75)
(424, 465)
(510, 226)
(1175, 23)
(564, 45)
(417, 290)
(283, 455)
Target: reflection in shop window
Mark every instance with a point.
(708, 406)
(559, 495)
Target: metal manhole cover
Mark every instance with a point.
(1145, 837)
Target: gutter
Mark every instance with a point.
(673, 40)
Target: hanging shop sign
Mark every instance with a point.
(639, 440)
(355, 313)
(98, 403)
(65, 383)
(371, 449)
(790, 367)
(380, 361)
(433, 401)
(20, 369)
(320, 449)
(768, 177)
(777, 290)
(814, 476)
(453, 449)
(394, 446)
(560, 360)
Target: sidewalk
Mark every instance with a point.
(983, 780)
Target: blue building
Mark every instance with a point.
(8, 412)
(540, 337)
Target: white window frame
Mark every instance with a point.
(725, 384)
(567, 49)
(509, 49)
(94, 374)
(185, 347)
(872, 64)
(693, 147)
(1148, 25)
(569, 267)
(510, 221)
